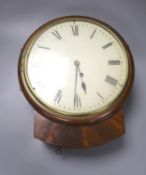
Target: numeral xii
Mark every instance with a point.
(75, 30)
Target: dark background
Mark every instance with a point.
(20, 153)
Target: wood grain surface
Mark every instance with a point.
(79, 136)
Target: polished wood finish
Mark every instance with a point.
(79, 136)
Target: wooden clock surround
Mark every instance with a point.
(69, 132)
(79, 136)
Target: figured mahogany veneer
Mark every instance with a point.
(79, 136)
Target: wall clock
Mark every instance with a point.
(76, 72)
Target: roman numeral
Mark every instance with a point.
(93, 33)
(58, 96)
(77, 102)
(100, 95)
(111, 80)
(56, 34)
(114, 62)
(42, 47)
(75, 30)
(107, 45)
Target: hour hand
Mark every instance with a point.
(83, 84)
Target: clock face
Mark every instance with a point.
(76, 66)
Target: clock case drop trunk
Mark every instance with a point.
(66, 136)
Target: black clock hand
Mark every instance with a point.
(83, 85)
(76, 63)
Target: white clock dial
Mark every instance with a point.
(77, 67)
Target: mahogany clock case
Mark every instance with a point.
(57, 117)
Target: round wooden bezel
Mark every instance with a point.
(62, 118)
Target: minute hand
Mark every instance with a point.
(76, 63)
